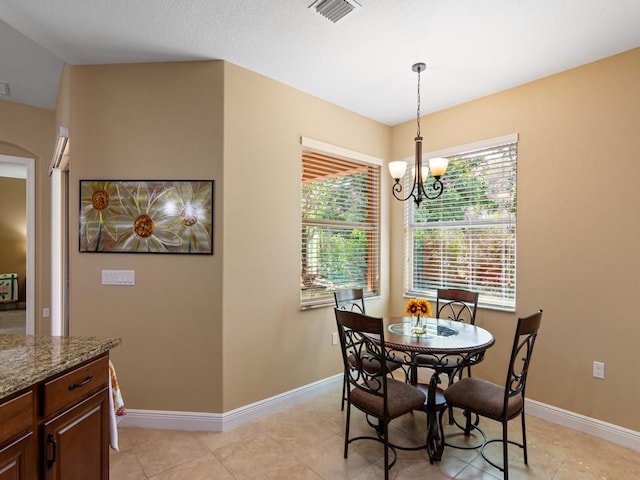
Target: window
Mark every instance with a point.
(340, 245)
(467, 237)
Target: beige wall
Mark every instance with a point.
(13, 229)
(27, 131)
(270, 345)
(577, 228)
(151, 122)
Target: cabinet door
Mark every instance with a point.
(17, 460)
(76, 442)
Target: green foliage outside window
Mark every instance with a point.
(339, 233)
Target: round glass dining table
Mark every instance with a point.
(440, 337)
(446, 344)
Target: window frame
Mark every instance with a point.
(372, 288)
(485, 301)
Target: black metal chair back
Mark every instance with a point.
(350, 299)
(521, 352)
(456, 304)
(358, 347)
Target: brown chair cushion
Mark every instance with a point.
(483, 397)
(401, 398)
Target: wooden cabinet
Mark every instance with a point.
(75, 432)
(17, 453)
(18, 460)
(59, 428)
(74, 441)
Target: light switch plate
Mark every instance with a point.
(118, 277)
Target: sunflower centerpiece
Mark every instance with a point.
(418, 308)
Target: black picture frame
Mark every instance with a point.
(146, 216)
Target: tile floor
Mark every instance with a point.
(12, 322)
(306, 442)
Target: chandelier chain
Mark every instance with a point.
(418, 111)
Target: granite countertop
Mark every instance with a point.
(27, 359)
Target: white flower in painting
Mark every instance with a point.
(99, 203)
(191, 207)
(145, 224)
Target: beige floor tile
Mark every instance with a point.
(473, 473)
(169, 450)
(597, 458)
(331, 464)
(258, 454)
(290, 468)
(204, 468)
(235, 437)
(124, 465)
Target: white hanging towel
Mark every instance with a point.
(116, 406)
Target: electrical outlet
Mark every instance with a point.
(334, 338)
(598, 369)
(45, 312)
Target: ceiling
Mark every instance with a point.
(362, 62)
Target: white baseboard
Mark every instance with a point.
(607, 431)
(216, 422)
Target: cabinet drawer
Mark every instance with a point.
(75, 386)
(16, 416)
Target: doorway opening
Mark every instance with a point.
(20, 243)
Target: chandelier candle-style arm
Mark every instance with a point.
(438, 166)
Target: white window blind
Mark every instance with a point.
(340, 238)
(467, 237)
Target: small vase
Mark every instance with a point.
(419, 327)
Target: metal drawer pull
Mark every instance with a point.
(54, 450)
(73, 386)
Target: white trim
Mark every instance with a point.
(57, 235)
(216, 422)
(31, 246)
(319, 146)
(479, 145)
(172, 420)
(607, 431)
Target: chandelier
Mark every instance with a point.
(438, 166)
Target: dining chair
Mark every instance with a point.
(352, 299)
(457, 304)
(370, 389)
(461, 306)
(501, 403)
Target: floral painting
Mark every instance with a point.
(146, 216)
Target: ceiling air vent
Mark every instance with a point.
(334, 10)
